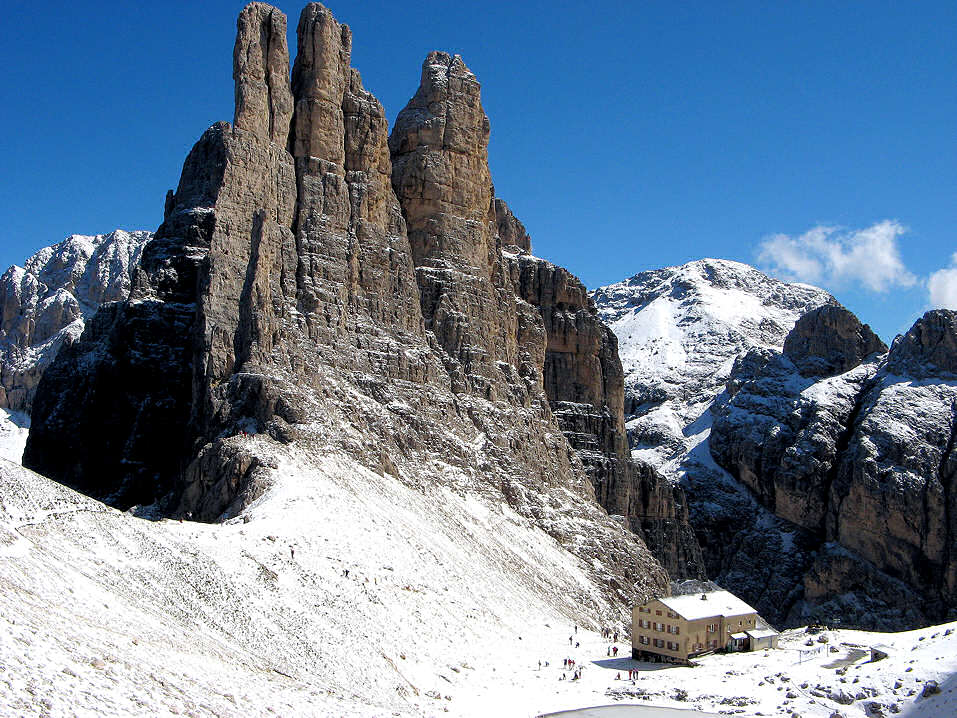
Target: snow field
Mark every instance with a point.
(340, 592)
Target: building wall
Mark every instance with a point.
(656, 623)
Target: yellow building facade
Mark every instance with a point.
(678, 628)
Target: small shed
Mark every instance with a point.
(763, 638)
(739, 642)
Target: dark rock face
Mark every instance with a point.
(290, 292)
(830, 340)
(859, 462)
(928, 349)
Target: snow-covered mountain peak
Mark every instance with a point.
(47, 301)
(680, 328)
(679, 332)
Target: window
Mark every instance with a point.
(659, 643)
(643, 640)
(657, 613)
(712, 628)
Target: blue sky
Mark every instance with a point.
(815, 139)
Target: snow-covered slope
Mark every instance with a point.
(345, 592)
(339, 591)
(679, 331)
(46, 302)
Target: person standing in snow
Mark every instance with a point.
(569, 640)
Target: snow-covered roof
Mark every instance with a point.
(762, 633)
(716, 603)
(739, 636)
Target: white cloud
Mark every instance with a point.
(831, 256)
(942, 285)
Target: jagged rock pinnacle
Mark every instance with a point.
(261, 72)
(929, 347)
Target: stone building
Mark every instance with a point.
(678, 628)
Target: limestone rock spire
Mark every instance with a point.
(320, 78)
(264, 101)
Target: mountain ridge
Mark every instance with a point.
(770, 428)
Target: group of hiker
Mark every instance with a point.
(569, 664)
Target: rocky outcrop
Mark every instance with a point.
(290, 294)
(261, 71)
(814, 462)
(440, 174)
(928, 350)
(511, 231)
(45, 303)
(830, 340)
(487, 300)
(583, 381)
(858, 457)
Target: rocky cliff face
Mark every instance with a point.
(328, 291)
(686, 332)
(583, 381)
(852, 446)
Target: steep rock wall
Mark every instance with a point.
(584, 383)
(284, 296)
(853, 448)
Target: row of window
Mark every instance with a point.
(658, 643)
(657, 613)
(667, 627)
